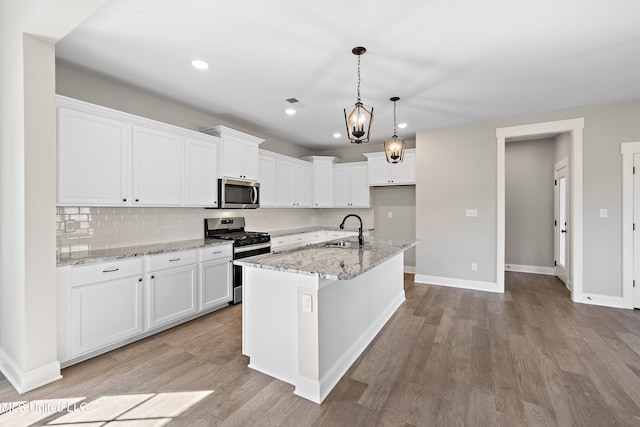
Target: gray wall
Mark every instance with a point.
(401, 202)
(456, 169)
(529, 202)
(81, 84)
(563, 146)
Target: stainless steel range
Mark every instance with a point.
(245, 244)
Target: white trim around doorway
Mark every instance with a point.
(628, 149)
(575, 127)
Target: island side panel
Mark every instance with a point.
(351, 313)
(270, 320)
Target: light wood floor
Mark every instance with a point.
(448, 357)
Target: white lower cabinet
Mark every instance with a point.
(171, 284)
(215, 284)
(105, 303)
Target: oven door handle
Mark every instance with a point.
(248, 248)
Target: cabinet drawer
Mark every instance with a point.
(170, 260)
(279, 241)
(100, 272)
(214, 252)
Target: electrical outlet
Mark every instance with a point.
(390, 215)
(69, 225)
(471, 212)
(307, 303)
(474, 266)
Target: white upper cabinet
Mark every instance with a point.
(294, 183)
(383, 173)
(267, 177)
(239, 153)
(304, 185)
(111, 158)
(93, 159)
(350, 185)
(157, 167)
(322, 178)
(201, 172)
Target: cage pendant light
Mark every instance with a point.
(359, 117)
(395, 146)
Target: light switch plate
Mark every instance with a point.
(471, 212)
(604, 213)
(307, 303)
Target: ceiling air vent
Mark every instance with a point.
(292, 100)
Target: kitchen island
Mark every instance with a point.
(309, 313)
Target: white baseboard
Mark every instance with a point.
(26, 381)
(458, 283)
(601, 300)
(535, 269)
(410, 269)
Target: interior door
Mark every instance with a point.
(636, 234)
(561, 229)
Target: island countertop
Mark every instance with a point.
(331, 263)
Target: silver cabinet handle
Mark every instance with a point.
(110, 270)
(174, 259)
(216, 252)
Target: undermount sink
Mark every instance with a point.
(338, 244)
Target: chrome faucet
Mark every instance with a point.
(360, 238)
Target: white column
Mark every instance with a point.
(28, 31)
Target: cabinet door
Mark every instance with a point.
(157, 167)
(405, 172)
(104, 313)
(378, 171)
(172, 295)
(304, 186)
(322, 185)
(231, 164)
(267, 176)
(200, 171)
(286, 184)
(341, 186)
(93, 159)
(215, 283)
(359, 186)
(249, 160)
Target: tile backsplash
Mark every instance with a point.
(88, 228)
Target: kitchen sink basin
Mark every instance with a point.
(338, 244)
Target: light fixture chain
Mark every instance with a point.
(394, 118)
(358, 78)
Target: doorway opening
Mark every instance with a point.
(574, 127)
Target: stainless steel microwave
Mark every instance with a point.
(238, 194)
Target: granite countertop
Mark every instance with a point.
(99, 255)
(290, 231)
(331, 262)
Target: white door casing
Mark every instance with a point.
(636, 234)
(628, 150)
(575, 127)
(562, 226)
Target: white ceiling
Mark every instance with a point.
(450, 61)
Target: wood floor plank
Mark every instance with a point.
(448, 357)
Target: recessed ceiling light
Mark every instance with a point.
(199, 64)
(290, 111)
(402, 125)
(337, 135)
